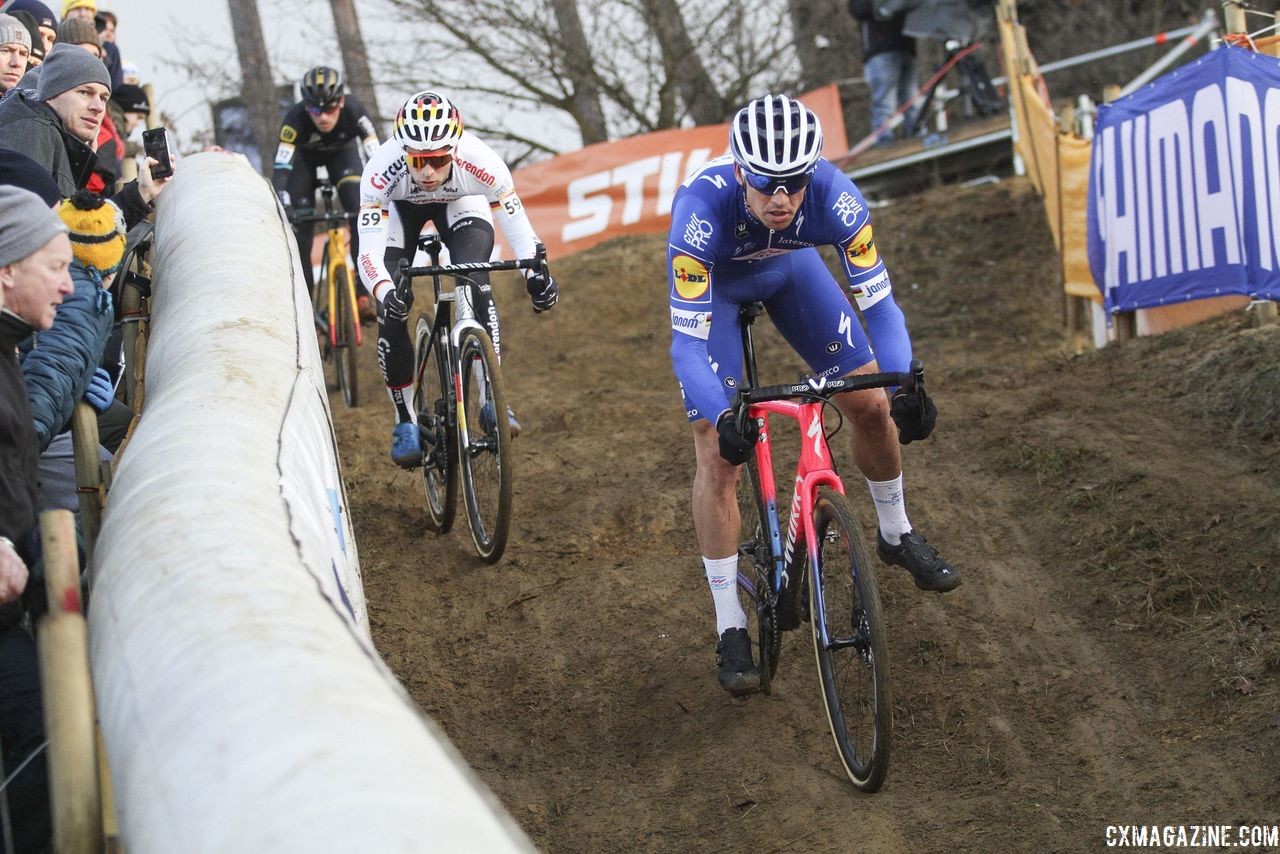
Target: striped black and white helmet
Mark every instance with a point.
(776, 136)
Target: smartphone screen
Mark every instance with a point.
(155, 144)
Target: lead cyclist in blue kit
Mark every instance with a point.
(744, 229)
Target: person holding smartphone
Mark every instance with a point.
(58, 125)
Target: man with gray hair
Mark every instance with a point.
(35, 255)
(58, 127)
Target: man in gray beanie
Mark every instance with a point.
(57, 126)
(35, 252)
(15, 50)
(34, 256)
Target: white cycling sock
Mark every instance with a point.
(891, 509)
(722, 576)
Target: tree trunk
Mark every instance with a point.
(682, 58)
(826, 41)
(355, 59)
(257, 90)
(585, 105)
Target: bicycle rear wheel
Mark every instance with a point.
(849, 644)
(433, 405)
(754, 546)
(486, 457)
(344, 350)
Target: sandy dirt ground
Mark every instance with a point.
(1111, 657)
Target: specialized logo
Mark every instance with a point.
(847, 208)
(697, 232)
(690, 277)
(861, 251)
(288, 134)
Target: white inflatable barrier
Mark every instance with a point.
(242, 703)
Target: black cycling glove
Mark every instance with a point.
(736, 447)
(396, 305)
(914, 421)
(543, 291)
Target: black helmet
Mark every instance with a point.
(321, 87)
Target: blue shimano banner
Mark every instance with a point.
(1184, 185)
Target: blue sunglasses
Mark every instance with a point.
(792, 184)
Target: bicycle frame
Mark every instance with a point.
(815, 469)
(431, 244)
(803, 403)
(337, 253)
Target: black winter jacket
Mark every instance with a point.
(19, 488)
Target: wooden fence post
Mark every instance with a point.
(62, 640)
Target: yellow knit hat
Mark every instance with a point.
(97, 231)
(68, 5)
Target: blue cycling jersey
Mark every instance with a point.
(721, 256)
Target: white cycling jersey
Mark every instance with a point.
(477, 170)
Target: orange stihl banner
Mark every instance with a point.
(579, 200)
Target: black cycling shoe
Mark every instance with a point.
(920, 559)
(738, 674)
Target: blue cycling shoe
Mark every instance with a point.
(406, 445)
(486, 419)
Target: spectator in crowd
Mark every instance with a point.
(78, 31)
(87, 10)
(62, 365)
(46, 21)
(59, 365)
(106, 24)
(15, 50)
(889, 64)
(33, 30)
(129, 108)
(131, 74)
(35, 254)
(58, 124)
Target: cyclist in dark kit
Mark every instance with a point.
(331, 129)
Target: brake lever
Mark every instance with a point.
(917, 381)
(402, 283)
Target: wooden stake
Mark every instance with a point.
(68, 721)
(84, 438)
(1233, 17)
(61, 564)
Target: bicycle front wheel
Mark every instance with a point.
(848, 641)
(434, 406)
(486, 451)
(344, 335)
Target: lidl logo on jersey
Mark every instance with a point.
(861, 251)
(690, 279)
(695, 323)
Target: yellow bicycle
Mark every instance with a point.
(334, 300)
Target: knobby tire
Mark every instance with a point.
(487, 459)
(854, 667)
(344, 352)
(434, 409)
(754, 546)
